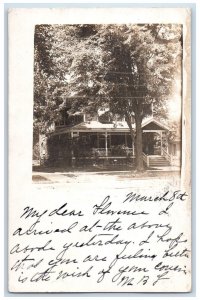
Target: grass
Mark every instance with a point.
(39, 178)
(94, 168)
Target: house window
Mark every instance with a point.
(67, 120)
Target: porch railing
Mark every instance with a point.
(145, 159)
(166, 155)
(103, 152)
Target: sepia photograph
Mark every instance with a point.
(99, 150)
(107, 98)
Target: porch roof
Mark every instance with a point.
(119, 126)
(97, 125)
(153, 124)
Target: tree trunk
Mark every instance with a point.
(43, 147)
(138, 143)
(128, 120)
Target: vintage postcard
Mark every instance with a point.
(99, 150)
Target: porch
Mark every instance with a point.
(96, 143)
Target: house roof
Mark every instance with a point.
(99, 125)
(118, 126)
(150, 120)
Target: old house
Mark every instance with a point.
(79, 140)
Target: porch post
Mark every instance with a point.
(97, 140)
(125, 139)
(161, 143)
(72, 150)
(167, 141)
(106, 143)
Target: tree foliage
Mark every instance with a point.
(125, 68)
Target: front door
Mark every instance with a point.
(151, 143)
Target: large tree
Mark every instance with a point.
(141, 64)
(124, 68)
(66, 65)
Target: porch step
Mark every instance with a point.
(158, 161)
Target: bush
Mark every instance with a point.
(120, 150)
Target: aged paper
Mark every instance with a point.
(98, 222)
